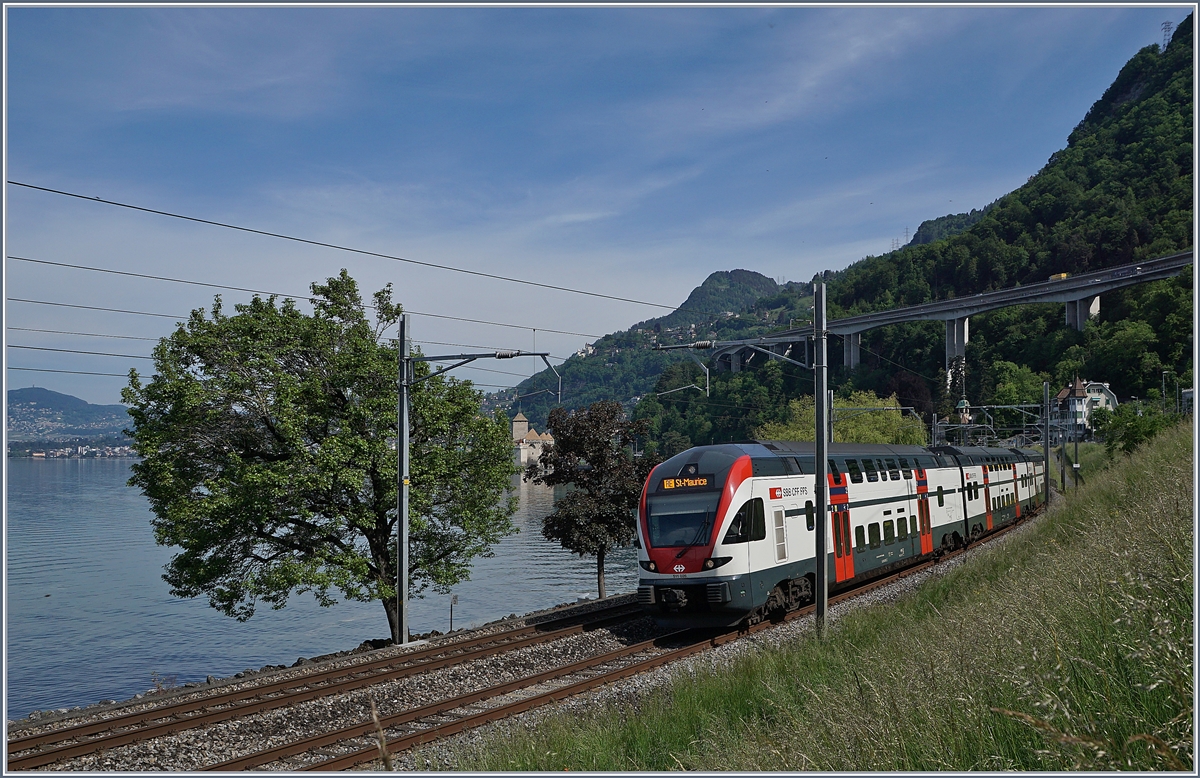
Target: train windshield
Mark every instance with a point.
(681, 519)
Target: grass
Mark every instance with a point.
(1093, 458)
(1068, 646)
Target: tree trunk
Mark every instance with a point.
(393, 617)
(600, 572)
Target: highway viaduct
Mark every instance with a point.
(1081, 295)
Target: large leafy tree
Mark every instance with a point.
(592, 451)
(855, 426)
(269, 457)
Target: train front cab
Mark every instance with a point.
(685, 503)
(719, 528)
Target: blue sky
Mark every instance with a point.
(626, 151)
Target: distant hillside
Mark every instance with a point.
(624, 365)
(726, 291)
(35, 413)
(945, 226)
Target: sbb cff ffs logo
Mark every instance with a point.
(679, 568)
(780, 492)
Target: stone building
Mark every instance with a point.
(527, 442)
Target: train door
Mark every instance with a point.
(924, 526)
(1016, 490)
(987, 495)
(839, 505)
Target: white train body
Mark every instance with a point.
(727, 532)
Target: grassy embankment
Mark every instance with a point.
(1066, 647)
(1093, 457)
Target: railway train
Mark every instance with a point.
(726, 533)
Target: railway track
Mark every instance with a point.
(347, 746)
(360, 742)
(65, 743)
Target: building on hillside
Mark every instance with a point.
(1074, 404)
(527, 442)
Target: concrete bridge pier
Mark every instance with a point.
(851, 349)
(957, 331)
(1079, 311)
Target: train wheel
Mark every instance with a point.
(800, 593)
(776, 605)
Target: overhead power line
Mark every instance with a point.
(95, 308)
(78, 351)
(87, 334)
(72, 372)
(126, 375)
(137, 337)
(281, 294)
(342, 248)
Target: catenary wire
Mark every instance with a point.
(136, 356)
(136, 337)
(281, 294)
(95, 308)
(78, 351)
(343, 248)
(72, 372)
(86, 334)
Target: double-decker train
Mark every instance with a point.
(727, 533)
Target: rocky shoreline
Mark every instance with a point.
(166, 689)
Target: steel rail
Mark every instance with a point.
(437, 708)
(249, 701)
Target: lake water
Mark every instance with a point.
(88, 616)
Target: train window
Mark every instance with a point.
(905, 470)
(912, 520)
(790, 464)
(758, 520)
(810, 515)
(739, 525)
(873, 532)
(889, 533)
(941, 498)
(748, 524)
(901, 528)
(893, 471)
(768, 466)
(860, 539)
(882, 470)
(833, 470)
(780, 538)
(869, 467)
(887, 513)
(855, 474)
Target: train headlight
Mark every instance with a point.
(649, 566)
(716, 561)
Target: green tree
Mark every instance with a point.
(268, 442)
(861, 427)
(593, 452)
(1131, 424)
(1015, 385)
